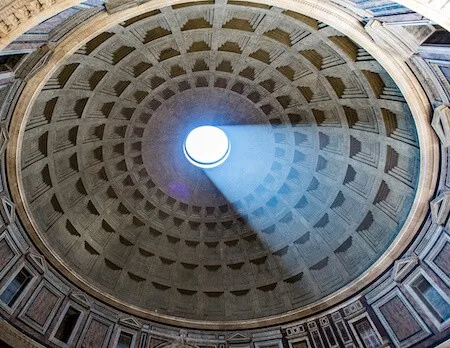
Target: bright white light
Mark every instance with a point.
(207, 147)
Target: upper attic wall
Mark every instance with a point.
(18, 17)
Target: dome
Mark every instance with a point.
(315, 215)
(321, 178)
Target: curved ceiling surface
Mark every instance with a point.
(322, 173)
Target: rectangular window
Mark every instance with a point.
(433, 300)
(366, 333)
(12, 292)
(125, 340)
(67, 325)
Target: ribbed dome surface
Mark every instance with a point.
(320, 188)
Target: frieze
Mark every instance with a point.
(17, 13)
(353, 309)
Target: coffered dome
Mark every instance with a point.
(320, 180)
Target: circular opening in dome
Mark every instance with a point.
(207, 147)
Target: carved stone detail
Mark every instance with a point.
(353, 309)
(238, 338)
(404, 39)
(18, 12)
(38, 261)
(130, 321)
(113, 6)
(81, 298)
(440, 208)
(403, 267)
(441, 124)
(3, 138)
(9, 208)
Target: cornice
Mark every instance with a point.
(17, 17)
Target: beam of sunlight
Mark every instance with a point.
(245, 181)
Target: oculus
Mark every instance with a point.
(207, 147)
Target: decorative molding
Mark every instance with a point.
(18, 12)
(295, 331)
(300, 341)
(401, 302)
(440, 323)
(440, 208)
(15, 253)
(238, 338)
(81, 298)
(34, 62)
(9, 208)
(19, 16)
(353, 309)
(403, 267)
(266, 335)
(78, 323)
(398, 37)
(88, 332)
(439, 250)
(113, 6)
(269, 344)
(38, 261)
(441, 124)
(3, 138)
(435, 10)
(131, 322)
(37, 317)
